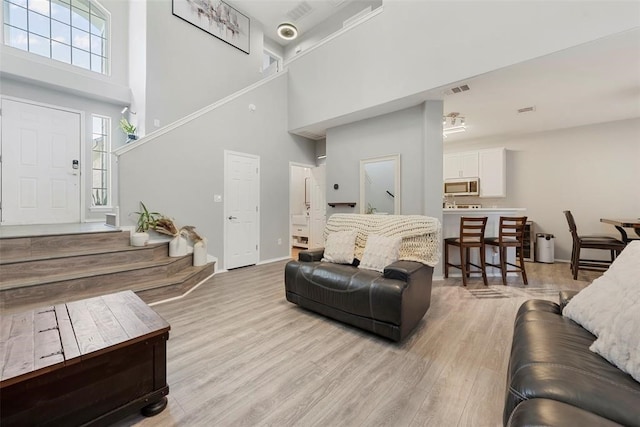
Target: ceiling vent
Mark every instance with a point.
(457, 89)
(526, 109)
(300, 11)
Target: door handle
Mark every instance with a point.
(232, 217)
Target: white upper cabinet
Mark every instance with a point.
(492, 172)
(489, 165)
(461, 165)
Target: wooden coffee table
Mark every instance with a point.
(91, 361)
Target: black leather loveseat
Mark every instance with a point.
(389, 301)
(555, 380)
(389, 304)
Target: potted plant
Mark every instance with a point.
(128, 129)
(146, 220)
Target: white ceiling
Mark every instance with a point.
(591, 83)
(273, 13)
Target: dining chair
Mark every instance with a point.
(608, 243)
(510, 235)
(471, 236)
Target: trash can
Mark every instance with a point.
(545, 248)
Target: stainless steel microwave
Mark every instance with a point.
(462, 187)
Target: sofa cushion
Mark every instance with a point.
(551, 413)
(380, 251)
(596, 306)
(550, 358)
(620, 343)
(340, 246)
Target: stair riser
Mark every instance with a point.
(44, 268)
(172, 291)
(34, 246)
(54, 293)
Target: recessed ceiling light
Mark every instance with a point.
(287, 31)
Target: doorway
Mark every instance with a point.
(41, 154)
(241, 209)
(307, 207)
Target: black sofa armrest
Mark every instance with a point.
(401, 270)
(565, 297)
(311, 255)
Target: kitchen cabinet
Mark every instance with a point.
(300, 235)
(489, 165)
(461, 165)
(492, 170)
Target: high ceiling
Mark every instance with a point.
(591, 83)
(303, 14)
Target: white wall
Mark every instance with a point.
(590, 170)
(394, 133)
(188, 68)
(178, 172)
(414, 46)
(297, 184)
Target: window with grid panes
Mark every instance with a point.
(71, 31)
(100, 194)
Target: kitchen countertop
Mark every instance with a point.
(482, 210)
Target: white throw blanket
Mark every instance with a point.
(420, 234)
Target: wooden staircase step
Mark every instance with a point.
(26, 298)
(34, 246)
(145, 270)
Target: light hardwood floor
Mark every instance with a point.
(241, 355)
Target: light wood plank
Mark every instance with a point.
(67, 336)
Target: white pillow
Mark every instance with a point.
(620, 343)
(340, 246)
(380, 251)
(597, 306)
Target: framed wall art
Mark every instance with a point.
(216, 18)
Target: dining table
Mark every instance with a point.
(621, 224)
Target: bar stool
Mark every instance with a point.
(471, 236)
(510, 235)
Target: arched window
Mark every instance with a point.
(71, 31)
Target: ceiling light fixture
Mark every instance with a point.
(456, 123)
(287, 31)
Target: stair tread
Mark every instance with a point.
(64, 254)
(88, 272)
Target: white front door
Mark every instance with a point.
(318, 207)
(39, 147)
(241, 209)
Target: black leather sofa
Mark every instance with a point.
(389, 304)
(555, 380)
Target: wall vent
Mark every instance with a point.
(301, 10)
(526, 109)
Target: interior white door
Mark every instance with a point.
(318, 207)
(241, 207)
(39, 147)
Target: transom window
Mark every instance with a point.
(100, 188)
(71, 31)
